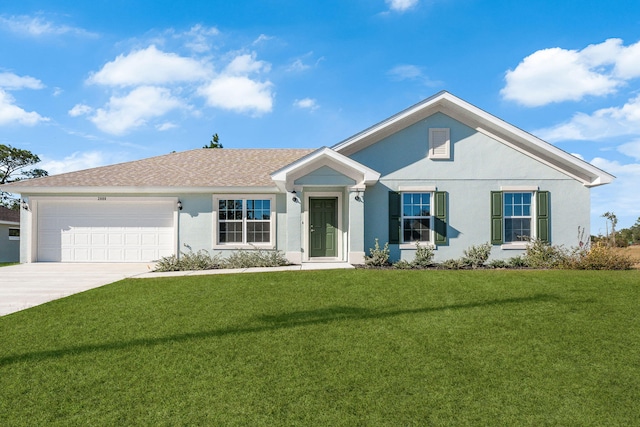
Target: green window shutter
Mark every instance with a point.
(441, 218)
(496, 218)
(394, 217)
(542, 216)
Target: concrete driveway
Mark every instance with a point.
(27, 285)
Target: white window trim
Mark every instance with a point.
(234, 245)
(432, 235)
(534, 219)
(440, 156)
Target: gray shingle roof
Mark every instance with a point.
(210, 167)
(9, 215)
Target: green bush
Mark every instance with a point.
(255, 258)
(498, 263)
(541, 254)
(517, 262)
(452, 264)
(377, 257)
(403, 265)
(476, 256)
(202, 260)
(423, 257)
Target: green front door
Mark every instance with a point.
(323, 215)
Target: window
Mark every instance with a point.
(517, 217)
(416, 217)
(439, 143)
(14, 234)
(244, 221)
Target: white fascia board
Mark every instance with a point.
(143, 190)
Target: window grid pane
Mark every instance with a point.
(416, 217)
(244, 221)
(517, 217)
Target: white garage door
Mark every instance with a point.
(105, 230)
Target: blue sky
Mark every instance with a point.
(89, 83)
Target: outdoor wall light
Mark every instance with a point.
(179, 205)
(358, 198)
(295, 196)
(25, 205)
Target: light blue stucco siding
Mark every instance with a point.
(9, 249)
(195, 223)
(479, 164)
(325, 176)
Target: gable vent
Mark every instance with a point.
(439, 143)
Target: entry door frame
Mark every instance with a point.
(306, 222)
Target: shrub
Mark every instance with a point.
(476, 256)
(498, 263)
(403, 265)
(423, 257)
(541, 254)
(200, 260)
(452, 264)
(377, 257)
(598, 257)
(255, 258)
(517, 262)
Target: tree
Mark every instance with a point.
(215, 142)
(13, 164)
(614, 221)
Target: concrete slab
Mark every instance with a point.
(27, 285)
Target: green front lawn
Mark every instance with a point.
(331, 348)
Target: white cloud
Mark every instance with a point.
(80, 110)
(166, 126)
(10, 81)
(123, 114)
(199, 36)
(74, 162)
(262, 38)
(149, 66)
(246, 64)
(631, 149)
(239, 93)
(12, 114)
(298, 66)
(401, 5)
(411, 72)
(555, 75)
(603, 123)
(37, 26)
(306, 103)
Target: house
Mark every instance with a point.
(9, 235)
(442, 172)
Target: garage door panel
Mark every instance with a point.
(118, 231)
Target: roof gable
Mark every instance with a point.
(485, 123)
(321, 158)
